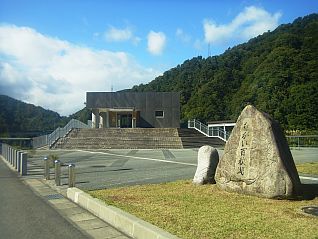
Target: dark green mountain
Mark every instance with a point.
(82, 115)
(277, 72)
(21, 119)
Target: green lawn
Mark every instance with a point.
(190, 211)
(308, 168)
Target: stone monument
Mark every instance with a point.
(208, 159)
(257, 160)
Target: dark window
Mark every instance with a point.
(159, 114)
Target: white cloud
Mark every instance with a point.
(156, 42)
(115, 34)
(55, 74)
(183, 36)
(252, 22)
(118, 35)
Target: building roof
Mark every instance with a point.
(222, 122)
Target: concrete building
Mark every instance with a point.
(134, 109)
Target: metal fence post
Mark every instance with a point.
(6, 152)
(24, 164)
(46, 168)
(12, 158)
(71, 175)
(57, 172)
(19, 161)
(16, 159)
(10, 155)
(298, 143)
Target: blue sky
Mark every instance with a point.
(52, 52)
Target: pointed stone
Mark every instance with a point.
(257, 160)
(208, 158)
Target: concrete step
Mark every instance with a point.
(110, 132)
(191, 138)
(139, 138)
(121, 139)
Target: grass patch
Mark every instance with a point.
(190, 211)
(308, 168)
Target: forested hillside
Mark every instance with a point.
(277, 72)
(21, 119)
(83, 115)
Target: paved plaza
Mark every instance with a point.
(116, 168)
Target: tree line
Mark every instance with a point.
(276, 71)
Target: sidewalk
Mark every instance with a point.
(43, 212)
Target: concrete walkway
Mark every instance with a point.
(38, 211)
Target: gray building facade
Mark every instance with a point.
(134, 109)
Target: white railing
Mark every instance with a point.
(61, 132)
(302, 141)
(50, 139)
(209, 132)
(293, 141)
(39, 141)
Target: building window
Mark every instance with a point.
(159, 114)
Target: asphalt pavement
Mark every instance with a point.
(116, 168)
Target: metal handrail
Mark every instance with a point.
(293, 141)
(209, 132)
(61, 132)
(302, 140)
(50, 139)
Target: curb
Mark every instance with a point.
(127, 223)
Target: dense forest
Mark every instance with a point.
(277, 72)
(21, 119)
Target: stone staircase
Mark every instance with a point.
(191, 138)
(116, 138)
(140, 138)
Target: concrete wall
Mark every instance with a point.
(144, 102)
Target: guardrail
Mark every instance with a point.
(16, 158)
(302, 141)
(39, 141)
(25, 143)
(209, 132)
(50, 139)
(293, 141)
